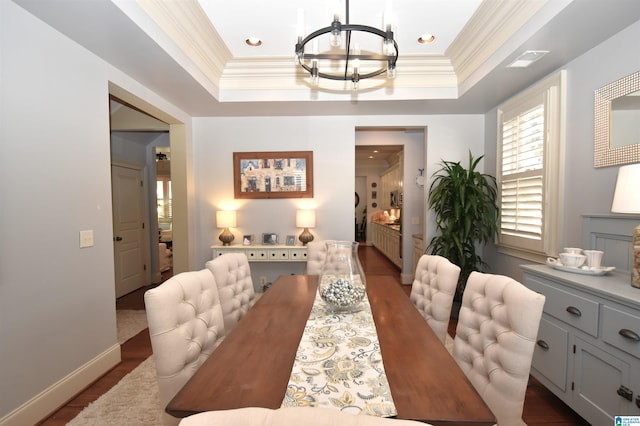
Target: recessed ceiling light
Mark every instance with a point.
(426, 38)
(253, 42)
(527, 58)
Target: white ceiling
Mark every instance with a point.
(193, 54)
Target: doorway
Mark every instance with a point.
(134, 137)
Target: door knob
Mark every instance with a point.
(117, 238)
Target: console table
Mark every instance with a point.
(588, 348)
(264, 253)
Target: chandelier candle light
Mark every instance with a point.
(305, 219)
(226, 219)
(344, 63)
(626, 199)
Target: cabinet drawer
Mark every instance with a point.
(616, 325)
(278, 254)
(219, 252)
(550, 353)
(575, 310)
(298, 254)
(256, 255)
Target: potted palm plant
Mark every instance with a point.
(466, 215)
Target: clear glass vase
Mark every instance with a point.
(341, 283)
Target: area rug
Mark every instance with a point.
(134, 400)
(129, 323)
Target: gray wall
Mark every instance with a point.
(587, 190)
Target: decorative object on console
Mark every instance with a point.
(269, 239)
(305, 219)
(344, 64)
(226, 219)
(626, 199)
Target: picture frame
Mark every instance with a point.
(291, 240)
(269, 239)
(247, 240)
(276, 174)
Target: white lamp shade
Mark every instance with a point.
(305, 218)
(626, 198)
(226, 218)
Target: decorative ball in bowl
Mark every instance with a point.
(572, 260)
(341, 294)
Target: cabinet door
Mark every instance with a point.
(598, 376)
(550, 353)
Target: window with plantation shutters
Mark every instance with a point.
(529, 138)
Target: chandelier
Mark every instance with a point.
(343, 58)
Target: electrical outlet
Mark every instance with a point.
(263, 281)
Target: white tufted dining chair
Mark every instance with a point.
(432, 291)
(316, 254)
(235, 286)
(494, 342)
(185, 321)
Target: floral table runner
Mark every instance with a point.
(339, 365)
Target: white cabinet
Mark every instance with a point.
(588, 346)
(276, 253)
(387, 240)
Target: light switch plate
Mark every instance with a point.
(86, 238)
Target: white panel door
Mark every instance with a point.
(128, 229)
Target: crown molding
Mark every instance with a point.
(188, 26)
(493, 24)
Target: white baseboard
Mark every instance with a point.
(406, 279)
(50, 399)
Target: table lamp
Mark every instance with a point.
(305, 219)
(626, 199)
(226, 219)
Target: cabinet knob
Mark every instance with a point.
(626, 393)
(574, 311)
(544, 345)
(628, 334)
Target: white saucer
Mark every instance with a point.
(585, 270)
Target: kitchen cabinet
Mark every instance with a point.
(391, 180)
(386, 238)
(588, 346)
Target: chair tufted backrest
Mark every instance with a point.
(433, 289)
(233, 278)
(316, 253)
(495, 339)
(290, 416)
(185, 321)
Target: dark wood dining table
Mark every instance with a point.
(252, 366)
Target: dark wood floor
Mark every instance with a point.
(541, 407)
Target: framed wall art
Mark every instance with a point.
(278, 174)
(269, 238)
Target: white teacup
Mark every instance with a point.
(573, 250)
(594, 258)
(572, 260)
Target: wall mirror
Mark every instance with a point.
(617, 122)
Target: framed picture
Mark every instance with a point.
(291, 240)
(269, 239)
(278, 174)
(247, 240)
